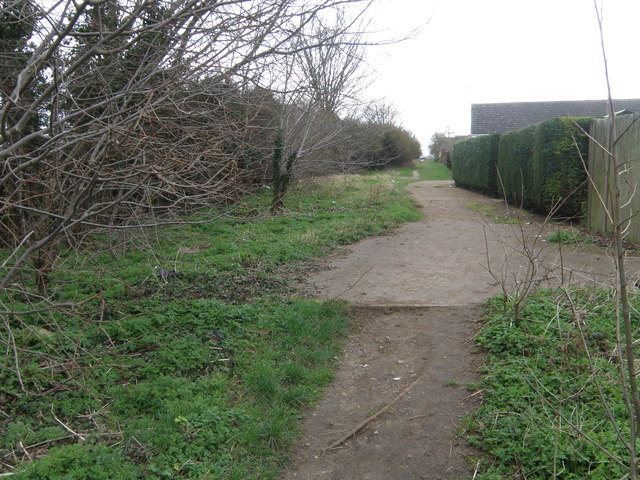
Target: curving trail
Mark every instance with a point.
(415, 295)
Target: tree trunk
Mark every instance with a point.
(282, 175)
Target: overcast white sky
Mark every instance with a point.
(484, 51)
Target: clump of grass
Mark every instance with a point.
(509, 220)
(515, 216)
(540, 397)
(477, 207)
(198, 374)
(570, 237)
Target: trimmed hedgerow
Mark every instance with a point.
(514, 166)
(474, 164)
(559, 178)
(539, 167)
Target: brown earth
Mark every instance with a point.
(415, 295)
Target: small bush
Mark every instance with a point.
(393, 147)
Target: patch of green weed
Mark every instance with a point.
(509, 221)
(82, 461)
(513, 217)
(540, 396)
(570, 237)
(475, 206)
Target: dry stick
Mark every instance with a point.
(469, 397)
(15, 355)
(66, 427)
(472, 338)
(368, 420)
(475, 472)
(26, 452)
(416, 417)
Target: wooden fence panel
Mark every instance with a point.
(628, 159)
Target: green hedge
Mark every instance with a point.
(514, 166)
(539, 167)
(474, 164)
(559, 177)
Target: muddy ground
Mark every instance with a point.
(415, 297)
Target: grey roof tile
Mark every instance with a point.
(504, 117)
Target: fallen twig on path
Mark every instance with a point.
(368, 420)
(475, 472)
(415, 418)
(468, 397)
(353, 285)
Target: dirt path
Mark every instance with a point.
(415, 296)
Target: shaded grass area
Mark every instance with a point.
(188, 358)
(542, 415)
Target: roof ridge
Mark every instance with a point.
(507, 116)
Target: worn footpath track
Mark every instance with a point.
(411, 355)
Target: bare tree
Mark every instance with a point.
(143, 108)
(317, 90)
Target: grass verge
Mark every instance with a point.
(513, 216)
(542, 415)
(188, 358)
(428, 170)
(431, 170)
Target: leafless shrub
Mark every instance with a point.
(121, 114)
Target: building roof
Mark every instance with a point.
(504, 117)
